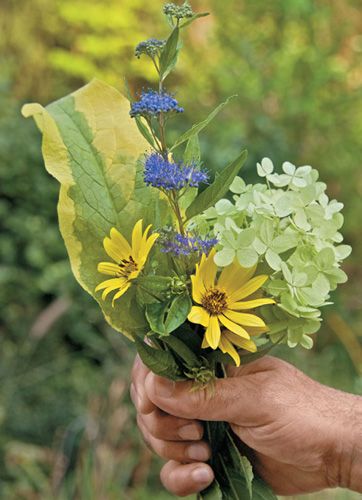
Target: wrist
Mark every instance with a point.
(347, 466)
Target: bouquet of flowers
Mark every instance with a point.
(199, 272)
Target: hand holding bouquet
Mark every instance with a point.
(199, 272)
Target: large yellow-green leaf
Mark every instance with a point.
(92, 147)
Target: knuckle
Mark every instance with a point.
(155, 427)
(162, 449)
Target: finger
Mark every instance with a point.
(224, 401)
(181, 451)
(140, 398)
(170, 428)
(182, 480)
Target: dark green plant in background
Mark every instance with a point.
(296, 66)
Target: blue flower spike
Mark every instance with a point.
(164, 174)
(153, 103)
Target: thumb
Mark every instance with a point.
(230, 399)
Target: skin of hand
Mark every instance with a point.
(305, 436)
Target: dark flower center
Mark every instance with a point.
(126, 267)
(214, 301)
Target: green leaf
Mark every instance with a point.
(193, 18)
(169, 54)
(145, 131)
(196, 129)
(234, 486)
(241, 463)
(192, 151)
(91, 146)
(261, 491)
(218, 188)
(213, 492)
(152, 288)
(215, 433)
(155, 314)
(158, 361)
(182, 350)
(177, 314)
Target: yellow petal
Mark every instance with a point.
(257, 330)
(146, 248)
(234, 276)
(205, 343)
(248, 288)
(227, 347)
(108, 290)
(198, 288)
(112, 282)
(108, 268)
(114, 251)
(213, 332)
(120, 241)
(209, 270)
(133, 275)
(145, 235)
(199, 315)
(137, 239)
(248, 345)
(250, 304)
(121, 292)
(244, 319)
(230, 325)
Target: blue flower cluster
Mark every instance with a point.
(150, 47)
(162, 173)
(153, 103)
(178, 244)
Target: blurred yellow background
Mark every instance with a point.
(67, 427)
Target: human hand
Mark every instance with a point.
(302, 432)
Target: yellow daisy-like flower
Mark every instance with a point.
(129, 259)
(221, 302)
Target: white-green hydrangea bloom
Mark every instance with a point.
(290, 226)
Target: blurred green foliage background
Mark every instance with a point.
(67, 427)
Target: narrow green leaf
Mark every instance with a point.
(192, 151)
(145, 131)
(261, 491)
(242, 463)
(196, 129)
(215, 433)
(218, 188)
(193, 18)
(181, 349)
(179, 309)
(159, 362)
(213, 492)
(169, 54)
(235, 485)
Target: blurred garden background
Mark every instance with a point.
(67, 427)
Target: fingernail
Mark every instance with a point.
(189, 431)
(202, 475)
(164, 388)
(198, 452)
